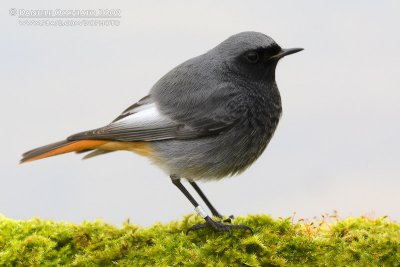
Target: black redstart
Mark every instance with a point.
(210, 117)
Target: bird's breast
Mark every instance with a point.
(228, 153)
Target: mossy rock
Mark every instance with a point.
(275, 242)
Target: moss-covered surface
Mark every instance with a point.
(276, 242)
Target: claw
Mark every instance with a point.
(218, 226)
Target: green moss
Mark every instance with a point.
(276, 242)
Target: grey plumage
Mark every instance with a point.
(210, 117)
(218, 89)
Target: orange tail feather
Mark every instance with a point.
(60, 148)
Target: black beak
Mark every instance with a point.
(285, 52)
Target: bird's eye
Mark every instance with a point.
(252, 57)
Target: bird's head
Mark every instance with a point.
(251, 54)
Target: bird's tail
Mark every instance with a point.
(60, 148)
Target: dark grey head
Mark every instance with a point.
(251, 54)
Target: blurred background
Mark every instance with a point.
(336, 147)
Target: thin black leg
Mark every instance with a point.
(218, 226)
(177, 183)
(205, 199)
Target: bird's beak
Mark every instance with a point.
(285, 52)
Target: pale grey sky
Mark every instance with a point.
(337, 145)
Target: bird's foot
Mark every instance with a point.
(218, 226)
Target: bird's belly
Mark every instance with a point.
(212, 157)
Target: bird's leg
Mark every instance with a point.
(218, 226)
(208, 203)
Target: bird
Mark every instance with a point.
(208, 118)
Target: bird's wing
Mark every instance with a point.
(143, 121)
(210, 110)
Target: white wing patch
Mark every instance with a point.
(143, 115)
(143, 123)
